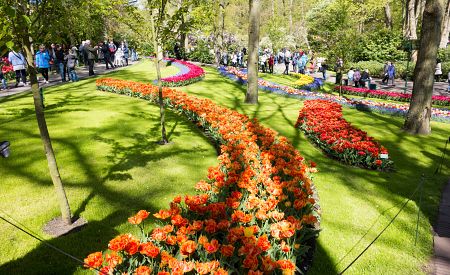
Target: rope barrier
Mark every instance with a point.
(40, 239)
(420, 186)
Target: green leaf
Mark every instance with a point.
(10, 44)
(27, 19)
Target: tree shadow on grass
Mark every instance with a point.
(45, 260)
(124, 155)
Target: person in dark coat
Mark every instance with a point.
(126, 52)
(106, 55)
(91, 53)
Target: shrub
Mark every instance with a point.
(201, 53)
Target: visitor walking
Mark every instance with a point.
(385, 73)
(357, 78)
(112, 50)
(438, 70)
(3, 80)
(339, 68)
(323, 68)
(90, 54)
(43, 62)
(365, 77)
(287, 60)
(19, 63)
(125, 51)
(350, 75)
(271, 63)
(52, 52)
(106, 55)
(391, 73)
(71, 59)
(82, 53)
(118, 57)
(60, 63)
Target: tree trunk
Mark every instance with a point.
(253, 45)
(160, 90)
(42, 124)
(419, 114)
(273, 8)
(216, 34)
(410, 27)
(290, 17)
(388, 16)
(222, 22)
(445, 27)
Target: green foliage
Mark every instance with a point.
(146, 49)
(444, 54)
(445, 68)
(331, 30)
(381, 45)
(201, 53)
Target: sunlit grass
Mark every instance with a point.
(109, 161)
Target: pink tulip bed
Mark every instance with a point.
(436, 100)
(189, 73)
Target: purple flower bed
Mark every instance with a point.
(437, 100)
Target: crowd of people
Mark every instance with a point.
(299, 61)
(64, 60)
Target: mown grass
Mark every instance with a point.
(112, 167)
(110, 164)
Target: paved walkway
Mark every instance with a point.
(441, 239)
(55, 78)
(440, 88)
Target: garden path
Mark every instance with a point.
(441, 239)
(440, 88)
(55, 79)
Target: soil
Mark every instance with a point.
(57, 227)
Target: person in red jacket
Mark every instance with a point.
(271, 62)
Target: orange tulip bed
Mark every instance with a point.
(322, 122)
(256, 212)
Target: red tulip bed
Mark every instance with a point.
(322, 122)
(189, 73)
(253, 214)
(436, 100)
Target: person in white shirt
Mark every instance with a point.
(350, 74)
(118, 61)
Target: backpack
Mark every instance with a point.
(112, 49)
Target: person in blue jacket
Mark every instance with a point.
(43, 62)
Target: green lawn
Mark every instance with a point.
(105, 146)
(109, 162)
